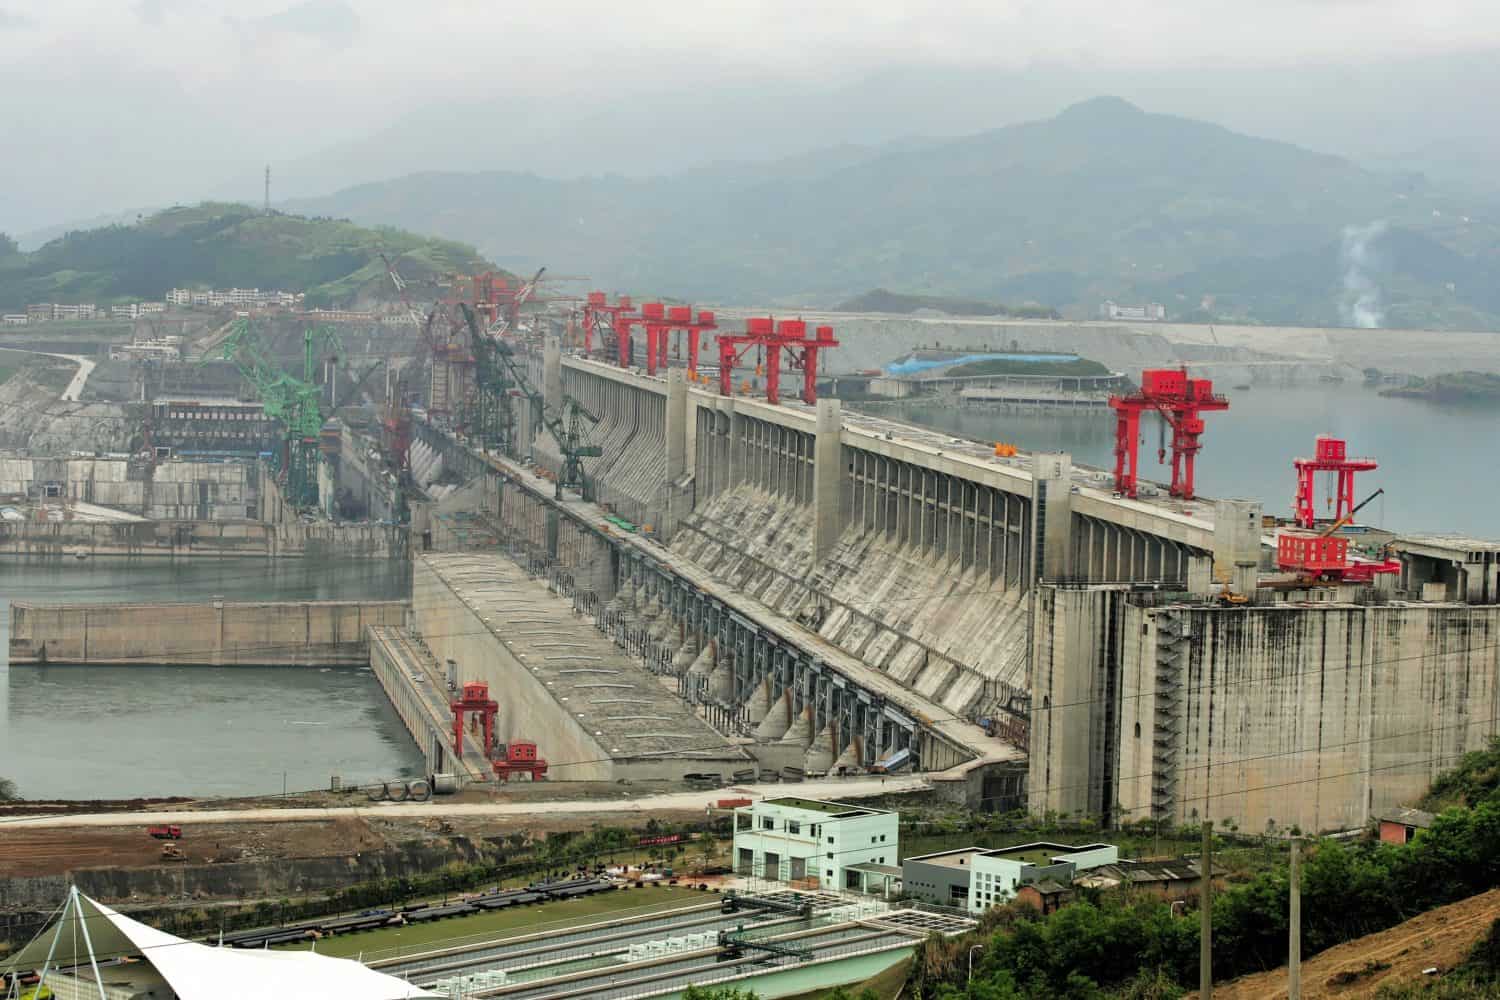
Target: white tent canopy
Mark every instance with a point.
(87, 931)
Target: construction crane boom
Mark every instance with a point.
(566, 428)
(1336, 525)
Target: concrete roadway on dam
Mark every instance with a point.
(837, 791)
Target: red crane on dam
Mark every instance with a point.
(599, 317)
(662, 322)
(1324, 555)
(475, 700)
(1180, 401)
(1330, 456)
(773, 337)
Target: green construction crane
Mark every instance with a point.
(495, 371)
(296, 404)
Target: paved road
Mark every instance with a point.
(86, 368)
(838, 790)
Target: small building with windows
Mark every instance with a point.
(808, 842)
(976, 878)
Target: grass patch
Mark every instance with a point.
(507, 923)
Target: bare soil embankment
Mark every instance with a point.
(1356, 970)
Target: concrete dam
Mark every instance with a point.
(876, 595)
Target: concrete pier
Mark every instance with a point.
(296, 633)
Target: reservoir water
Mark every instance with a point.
(1437, 461)
(121, 732)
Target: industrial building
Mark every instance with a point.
(975, 879)
(818, 844)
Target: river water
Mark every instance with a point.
(116, 732)
(1437, 462)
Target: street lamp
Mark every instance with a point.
(972, 950)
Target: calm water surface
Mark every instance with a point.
(1437, 462)
(109, 732)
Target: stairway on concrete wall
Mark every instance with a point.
(935, 628)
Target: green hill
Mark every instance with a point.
(1104, 200)
(225, 245)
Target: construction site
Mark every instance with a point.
(646, 546)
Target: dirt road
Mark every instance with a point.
(838, 790)
(1356, 970)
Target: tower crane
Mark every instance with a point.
(569, 427)
(294, 403)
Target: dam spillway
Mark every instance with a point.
(994, 608)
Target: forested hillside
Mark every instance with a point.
(223, 245)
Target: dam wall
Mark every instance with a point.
(452, 630)
(859, 589)
(219, 633)
(796, 699)
(291, 535)
(174, 490)
(1317, 716)
(595, 713)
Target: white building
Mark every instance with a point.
(976, 878)
(135, 310)
(13, 319)
(232, 298)
(158, 349)
(789, 839)
(1151, 312)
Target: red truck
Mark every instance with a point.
(165, 832)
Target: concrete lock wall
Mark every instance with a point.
(172, 490)
(451, 630)
(431, 736)
(1313, 716)
(300, 633)
(1070, 696)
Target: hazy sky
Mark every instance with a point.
(113, 104)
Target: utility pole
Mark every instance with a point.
(268, 190)
(1294, 930)
(1205, 916)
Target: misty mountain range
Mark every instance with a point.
(1103, 200)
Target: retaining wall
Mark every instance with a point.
(299, 633)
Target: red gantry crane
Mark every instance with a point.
(1324, 555)
(599, 319)
(1179, 400)
(662, 322)
(789, 335)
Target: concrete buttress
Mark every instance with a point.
(852, 758)
(703, 666)
(721, 682)
(801, 731)
(759, 704)
(819, 757)
(685, 656)
(774, 726)
(829, 479)
(552, 389)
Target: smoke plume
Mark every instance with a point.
(1361, 305)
